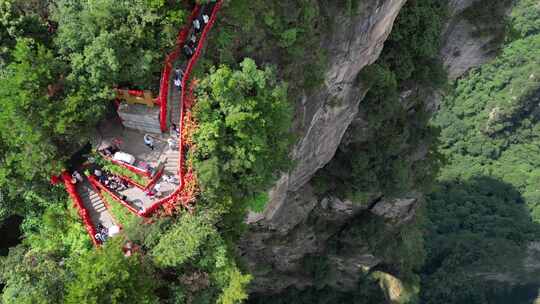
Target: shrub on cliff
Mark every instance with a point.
(242, 137)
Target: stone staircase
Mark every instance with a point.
(97, 210)
(171, 164)
(175, 108)
(174, 104)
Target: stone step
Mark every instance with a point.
(139, 125)
(96, 203)
(100, 208)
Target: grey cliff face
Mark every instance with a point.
(324, 116)
(467, 45)
(296, 223)
(275, 257)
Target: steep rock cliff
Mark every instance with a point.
(468, 40)
(296, 222)
(355, 42)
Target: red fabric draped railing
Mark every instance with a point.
(79, 205)
(185, 79)
(167, 68)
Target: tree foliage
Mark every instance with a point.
(489, 123)
(21, 19)
(111, 42)
(31, 277)
(287, 33)
(36, 122)
(106, 276)
(478, 226)
(242, 137)
(182, 242)
(485, 209)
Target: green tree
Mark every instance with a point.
(21, 19)
(235, 292)
(475, 226)
(197, 250)
(31, 277)
(243, 121)
(36, 120)
(107, 276)
(182, 242)
(112, 43)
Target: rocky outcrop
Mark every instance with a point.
(324, 116)
(296, 222)
(399, 211)
(467, 44)
(275, 254)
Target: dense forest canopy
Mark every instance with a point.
(485, 210)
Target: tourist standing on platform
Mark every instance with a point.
(172, 143)
(77, 176)
(175, 131)
(148, 141)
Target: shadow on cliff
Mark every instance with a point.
(478, 235)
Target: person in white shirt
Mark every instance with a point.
(172, 143)
(196, 24)
(157, 189)
(148, 141)
(76, 175)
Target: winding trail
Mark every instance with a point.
(86, 195)
(95, 206)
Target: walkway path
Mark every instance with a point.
(174, 103)
(138, 198)
(96, 209)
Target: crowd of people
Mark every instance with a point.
(112, 182)
(110, 150)
(157, 190)
(102, 233)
